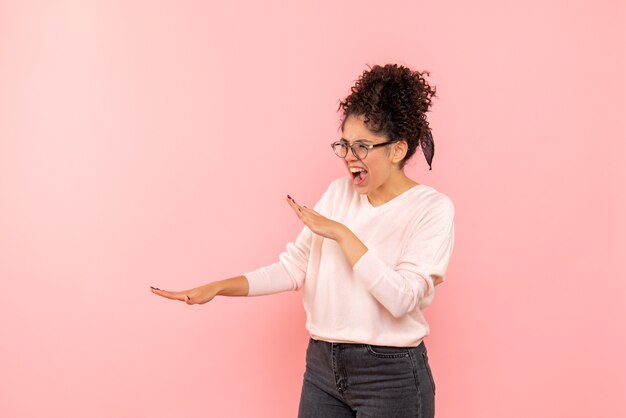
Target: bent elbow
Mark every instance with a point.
(296, 276)
(298, 283)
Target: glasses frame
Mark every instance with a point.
(351, 146)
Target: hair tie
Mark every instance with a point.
(428, 147)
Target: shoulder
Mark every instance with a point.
(338, 190)
(432, 207)
(443, 202)
(434, 199)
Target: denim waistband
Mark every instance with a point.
(356, 345)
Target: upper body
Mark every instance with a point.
(377, 242)
(379, 299)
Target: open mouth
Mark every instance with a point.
(358, 176)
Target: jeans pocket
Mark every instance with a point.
(383, 351)
(430, 373)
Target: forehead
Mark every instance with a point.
(354, 129)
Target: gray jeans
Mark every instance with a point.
(366, 381)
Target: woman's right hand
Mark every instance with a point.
(198, 295)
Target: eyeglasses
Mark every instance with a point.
(359, 149)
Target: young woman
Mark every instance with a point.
(369, 256)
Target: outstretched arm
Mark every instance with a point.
(235, 286)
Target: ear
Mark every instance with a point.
(400, 149)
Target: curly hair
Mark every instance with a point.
(394, 101)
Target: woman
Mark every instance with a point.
(369, 256)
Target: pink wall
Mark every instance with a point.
(154, 144)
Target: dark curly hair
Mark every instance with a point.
(394, 101)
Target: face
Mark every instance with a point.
(380, 162)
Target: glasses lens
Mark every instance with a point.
(361, 150)
(340, 149)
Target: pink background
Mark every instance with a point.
(152, 143)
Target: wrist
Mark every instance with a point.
(343, 234)
(217, 287)
(235, 286)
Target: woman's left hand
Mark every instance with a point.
(316, 222)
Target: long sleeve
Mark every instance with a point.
(411, 283)
(290, 271)
(286, 274)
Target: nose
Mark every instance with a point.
(350, 156)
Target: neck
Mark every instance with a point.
(396, 184)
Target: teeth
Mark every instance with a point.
(356, 169)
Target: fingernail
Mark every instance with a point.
(289, 197)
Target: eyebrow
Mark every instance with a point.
(359, 140)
